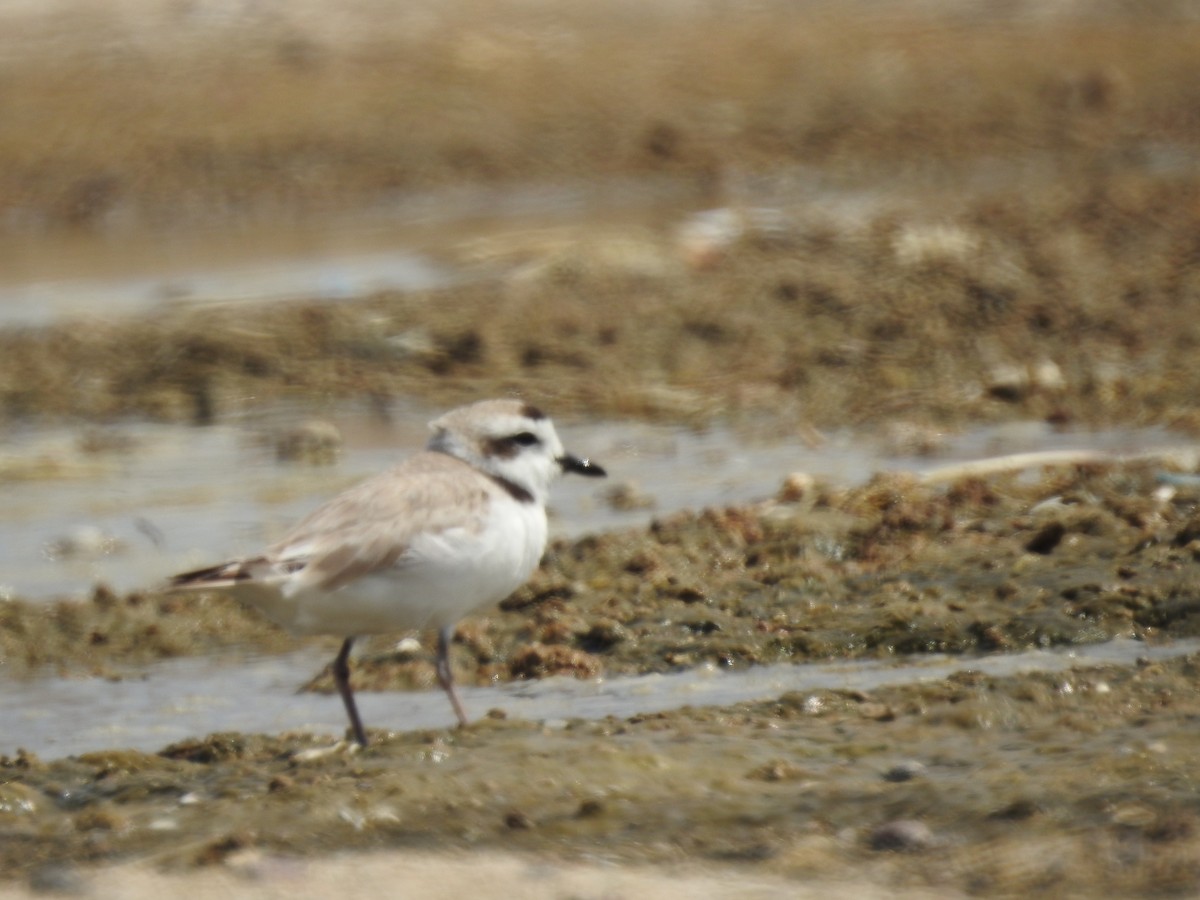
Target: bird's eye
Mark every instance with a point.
(525, 439)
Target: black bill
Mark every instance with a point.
(579, 466)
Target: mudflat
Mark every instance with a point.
(1013, 236)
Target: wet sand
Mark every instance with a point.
(443, 876)
(958, 783)
(929, 221)
(1075, 784)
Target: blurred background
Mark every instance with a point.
(739, 251)
(983, 210)
(845, 231)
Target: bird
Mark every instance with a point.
(450, 530)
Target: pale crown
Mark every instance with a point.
(507, 439)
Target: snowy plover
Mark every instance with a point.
(450, 530)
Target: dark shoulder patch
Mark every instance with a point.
(513, 490)
(532, 412)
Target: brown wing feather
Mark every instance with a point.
(370, 526)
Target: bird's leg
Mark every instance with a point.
(445, 676)
(341, 677)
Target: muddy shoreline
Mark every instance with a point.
(1026, 251)
(895, 567)
(928, 786)
(829, 329)
(953, 784)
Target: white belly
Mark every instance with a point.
(445, 577)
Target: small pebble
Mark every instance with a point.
(904, 771)
(903, 835)
(518, 821)
(589, 808)
(795, 487)
(407, 648)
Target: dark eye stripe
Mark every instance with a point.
(510, 446)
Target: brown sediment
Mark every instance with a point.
(1053, 319)
(1041, 265)
(895, 567)
(1057, 286)
(333, 115)
(1078, 781)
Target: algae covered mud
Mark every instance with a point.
(887, 217)
(890, 221)
(1079, 783)
(956, 782)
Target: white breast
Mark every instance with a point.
(443, 577)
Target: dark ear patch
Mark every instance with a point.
(501, 448)
(532, 412)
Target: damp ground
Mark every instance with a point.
(909, 223)
(1076, 783)
(969, 782)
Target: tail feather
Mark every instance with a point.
(235, 573)
(226, 574)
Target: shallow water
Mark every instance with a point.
(422, 240)
(167, 497)
(175, 700)
(148, 500)
(413, 242)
